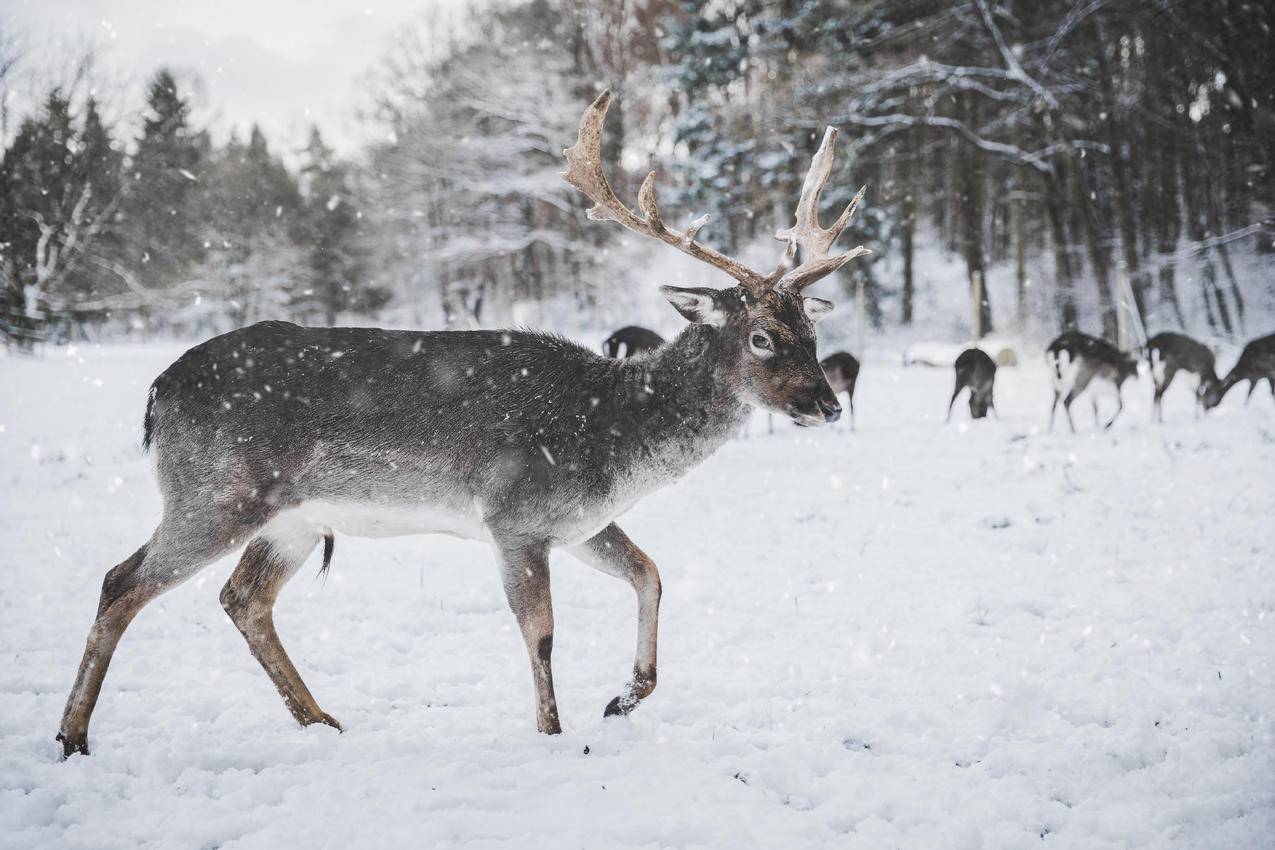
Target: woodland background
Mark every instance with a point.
(1057, 146)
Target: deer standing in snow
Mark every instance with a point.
(1076, 360)
(1170, 353)
(273, 435)
(1256, 364)
(842, 370)
(977, 371)
(633, 339)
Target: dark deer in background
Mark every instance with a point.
(1256, 364)
(977, 371)
(841, 368)
(275, 434)
(634, 339)
(1170, 353)
(1076, 360)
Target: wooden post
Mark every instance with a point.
(1020, 259)
(976, 280)
(861, 314)
(1132, 333)
(1122, 322)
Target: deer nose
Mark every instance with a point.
(831, 410)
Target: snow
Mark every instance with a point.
(916, 636)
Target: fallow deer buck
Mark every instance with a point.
(274, 435)
(631, 340)
(1076, 360)
(1170, 353)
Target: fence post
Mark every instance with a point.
(1129, 328)
(976, 278)
(861, 315)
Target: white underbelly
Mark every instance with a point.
(368, 519)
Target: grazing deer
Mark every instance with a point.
(976, 370)
(1256, 363)
(1170, 353)
(273, 435)
(634, 339)
(841, 368)
(1076, 360)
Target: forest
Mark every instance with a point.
(1079, 150)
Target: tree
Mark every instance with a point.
(161, 232)
(337, 259)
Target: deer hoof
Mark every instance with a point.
(72, 744)
(619, 706)
(324, 718)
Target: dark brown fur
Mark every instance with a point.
(634, 339)
(977, 371)
(1256, 364)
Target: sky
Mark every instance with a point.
(281, 63)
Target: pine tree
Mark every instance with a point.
(162, 232)
(336, 261)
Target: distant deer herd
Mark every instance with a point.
(270, 438)
(1076, 361)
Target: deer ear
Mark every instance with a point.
(817, 308)
(699, 305)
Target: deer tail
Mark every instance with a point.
(329, 544)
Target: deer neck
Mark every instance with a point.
(683, 402)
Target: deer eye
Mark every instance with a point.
(760, 344)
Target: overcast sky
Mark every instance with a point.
(281, 63)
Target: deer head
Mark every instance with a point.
(766, 324)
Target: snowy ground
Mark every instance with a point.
(915, 636)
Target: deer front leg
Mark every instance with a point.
(525, 572)
(612, 552)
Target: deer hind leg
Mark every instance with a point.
(1054, 410)
(249, 596)
(850, 401)
(1160, 389)
(524, 571)
(1067, 400)
(612, 552)
(1119, 407)
(175, 552)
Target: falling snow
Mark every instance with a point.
(971, 636)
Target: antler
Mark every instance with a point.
(815, 241)
(584, 171)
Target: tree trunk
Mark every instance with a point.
(970, 168)
(1086, 220)
(907, 221)
(1119, 139)
(1066, 287)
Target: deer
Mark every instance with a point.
(634, 339)
(977, 371)
(842, 371)
(1168, 354)
(1256, 363)
(274, 436)
(1076, 360)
